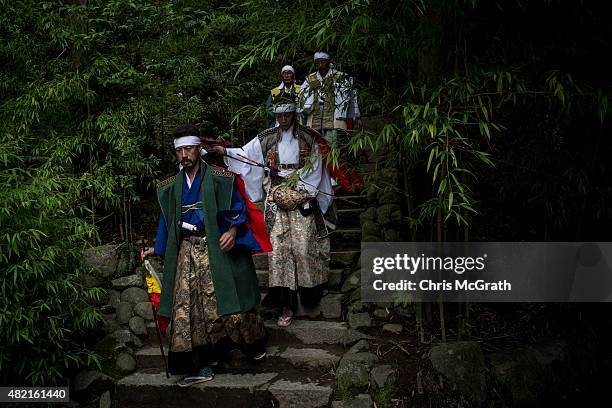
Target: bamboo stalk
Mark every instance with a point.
(442, 319)
(419, 320)
(440, 239)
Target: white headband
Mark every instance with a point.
(321, 55)
(186, 141)
(285, 107)
(287, 68)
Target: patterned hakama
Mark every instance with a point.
(299, 262)
(199, 336)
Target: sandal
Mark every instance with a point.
(285, 319)
(205, 374)
(258, 357)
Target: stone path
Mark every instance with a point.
(302, 359)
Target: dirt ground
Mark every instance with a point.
(585, 328)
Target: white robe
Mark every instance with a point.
(344, 93)
(315, 180)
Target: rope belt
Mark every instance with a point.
(194, 206)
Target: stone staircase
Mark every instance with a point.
(299, 370)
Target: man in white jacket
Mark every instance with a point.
(297, 192)
(329, 99)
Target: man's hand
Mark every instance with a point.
(228, 239)
(145, 252)
(216, 150)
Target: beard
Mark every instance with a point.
(187, 163)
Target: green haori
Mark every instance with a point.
(233, 272)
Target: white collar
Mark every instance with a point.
(289, 132)
(189, 182)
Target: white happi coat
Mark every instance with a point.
(345, 97)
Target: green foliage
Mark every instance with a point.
(383, 396)
(73, 141)
(443, 113)
(343, 390)
(453, 123)
(44, 309)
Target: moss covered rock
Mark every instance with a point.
(368, 215)
(387, 214)
(391, 235)
(370, 228)
(463, 365)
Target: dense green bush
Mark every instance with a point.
(44, 309)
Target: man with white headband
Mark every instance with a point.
(329, 98)
(207, 231)
(287, 90)
(296, 189)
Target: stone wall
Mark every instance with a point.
(381, 221)
(128, 318)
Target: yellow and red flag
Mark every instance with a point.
(153, 284)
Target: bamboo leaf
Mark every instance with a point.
(431, 156)
(435, 172)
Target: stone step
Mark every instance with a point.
(283, 358)
(147, 390)
(330, 307)
(346, 239)
(344, 258)
(301, 394)
(261, 261)
(346, 234)
(152, 336)
(339, 259)
(350, 201)
(349, 217)
(314, 332)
